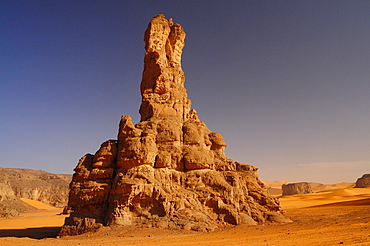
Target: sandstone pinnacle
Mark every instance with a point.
(168, 170)
(162, 87)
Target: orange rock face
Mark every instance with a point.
(169, 170)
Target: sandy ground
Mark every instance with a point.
(332, 217)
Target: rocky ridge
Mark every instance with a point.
(168, 170)
(42, 186)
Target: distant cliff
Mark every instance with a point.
(42, 186)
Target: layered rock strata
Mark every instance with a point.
(169, 170)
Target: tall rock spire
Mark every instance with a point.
(169, 133)
(162, 86)
(168, 170)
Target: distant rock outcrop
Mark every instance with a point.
(6, 191)
(7, 200)
(296, 188)
(169, 170)
(10, 204)
(363, 182)
(275, 187)
(42, 186)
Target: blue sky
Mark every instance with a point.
(286, 82)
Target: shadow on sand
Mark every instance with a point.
(359, 202)
(35, 233)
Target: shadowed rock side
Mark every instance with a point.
(169, 170)
(363, 182)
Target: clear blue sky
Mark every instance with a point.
(287, 83)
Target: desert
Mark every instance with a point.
(328, 217)
(281, 85)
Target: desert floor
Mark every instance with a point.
(331, 217)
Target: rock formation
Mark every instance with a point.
(38, 185)
(10, 204)
(296, 188)
(169, 170)
(7, 197)
(363, 182)
(42, 186)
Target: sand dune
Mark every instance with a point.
(45, 216)
(317, 187)
(275, 187)
(274, 184)
(38, 205)
(331, 217)
(324, 197)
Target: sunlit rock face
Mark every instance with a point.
(168, 170)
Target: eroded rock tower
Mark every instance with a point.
(169, 170)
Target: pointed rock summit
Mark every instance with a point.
(162, 87)
(169, 170)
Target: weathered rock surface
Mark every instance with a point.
(296, 188)
(6, 191)
(363, 182)
(169, 170)
(11, 205)
(42, 186)
(7, 199)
